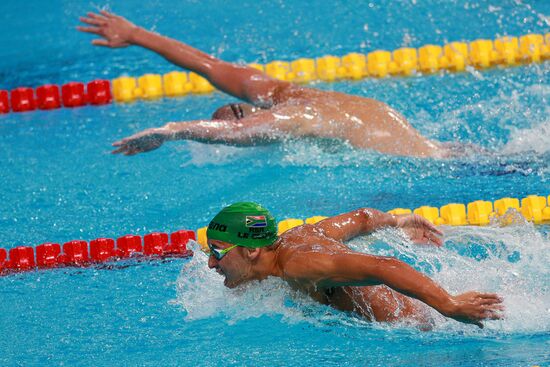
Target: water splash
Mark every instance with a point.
(535, 139)
(202, 294)
(211, 154)
(511, 261)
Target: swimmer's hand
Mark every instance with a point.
(472, 307)
(419, 229)
(141, 142)
(115, 30)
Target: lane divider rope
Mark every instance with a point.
(453, 57)
(80, 253)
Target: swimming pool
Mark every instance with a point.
(59, 183)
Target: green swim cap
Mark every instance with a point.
(244, 224)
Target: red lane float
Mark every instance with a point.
(102, 249)
(22, 99)
(73, 94)
(154, 243)
(21, 258)
(178, 241)
(3, 256)
(4, 101)
(99, 92)
(128, 245)
(79, 253)
(75, 252)
(47, 255)
(47, 97)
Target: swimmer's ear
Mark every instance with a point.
(252, 253)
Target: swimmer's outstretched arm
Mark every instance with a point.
(350, 268)
(363, 221)
(243, 82)
(256, 129)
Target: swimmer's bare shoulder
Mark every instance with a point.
(304, 253)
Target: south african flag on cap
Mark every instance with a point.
(256, 221)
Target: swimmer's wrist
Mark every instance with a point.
(449, 307)
(136, 35)
(375, 219)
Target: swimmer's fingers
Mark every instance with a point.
(133, 151)
(478, 324)
(96, 16)
(93, 30)
(119, 143)
(491, 303)
(93, 21)
(430, 226)
(100, 42)
(490, 296)
(106, 14)
(119, 150)
(491, 315)
(434, 238)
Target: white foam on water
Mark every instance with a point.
(212, 154)
(523, 111)
(535, 139)
(202, 294)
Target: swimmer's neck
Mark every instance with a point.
(264, 265)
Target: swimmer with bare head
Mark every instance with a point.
(273, 109)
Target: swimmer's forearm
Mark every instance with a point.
(410, 282)
(347, 226)
(200, 130)
(174, 51)
(212, 132)
(368, 270)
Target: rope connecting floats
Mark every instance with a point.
(533, 208)
(80, 253)
(454, 57)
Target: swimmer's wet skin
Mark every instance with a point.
(314, 259)
(274, 109)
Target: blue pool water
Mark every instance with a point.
(58, 182)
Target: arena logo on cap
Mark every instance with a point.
(256, 221)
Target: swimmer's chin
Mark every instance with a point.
(229, 284)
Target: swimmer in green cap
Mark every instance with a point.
(273, 110)
(313, 259)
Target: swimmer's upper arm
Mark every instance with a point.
(329, 269)
(247, 83)
(344, 226)
(362, 221)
